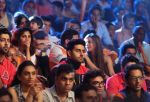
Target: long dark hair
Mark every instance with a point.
(98, 57)
(20, 70)
(18, 41)
(18, 17)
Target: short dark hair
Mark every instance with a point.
(128, 58)
(83, 88)
(64, 68)
(48, 18)
(18, 16)
(92, 74)
(25, 2)
(127, 16)
(5, 31)
(123, 49)
(23, 65)
(37, 20)
(68, 34)
(118, 9)
(133, 67)
(58, 4)
(136, 30)
(74, 42)
(4, 92)
(95, 7)
(75, 21)
(40, 35)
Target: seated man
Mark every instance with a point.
(133, 92)
(97, 79)
(7, 69)
(86, 93)
(142, 47)
(117, 82)
(75, 52)
(61, 91)
(125, 49)
(58, 52)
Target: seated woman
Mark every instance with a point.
(26, 86)
(95, 53)
(25, 44)
(21, 21)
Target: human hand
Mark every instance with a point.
(35, 89)
(27, 44)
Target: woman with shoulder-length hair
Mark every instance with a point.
(24, 43)
(95, 53)
(26, 86)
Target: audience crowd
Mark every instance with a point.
(74, 51)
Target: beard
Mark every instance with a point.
(4, 50)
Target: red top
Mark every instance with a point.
(116, 83)
(7, 72)
(81, 70)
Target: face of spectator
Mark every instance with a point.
(75, 27)
(140, 35)
(98, 82)
(131, 51)
(77, 53)
(141, 8)
(130, 22)
(12, 56)
(56, 10)
(89, 96)
(4, 43)
(135, 80)
(25, 38)
(5, 98)
(64, 82)
(2, 5)
(47, 26)
(95, 16)
(128, 4)
(90, 46)
(23, 23)
(28, 76)
(76, 36)
(30, 9)
(34, 26)
(129, 63)
(120, 14)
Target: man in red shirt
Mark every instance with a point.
(7, 69)
(116, 83)
(75, 57)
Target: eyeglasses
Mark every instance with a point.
(97, 83)
(136, 78)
